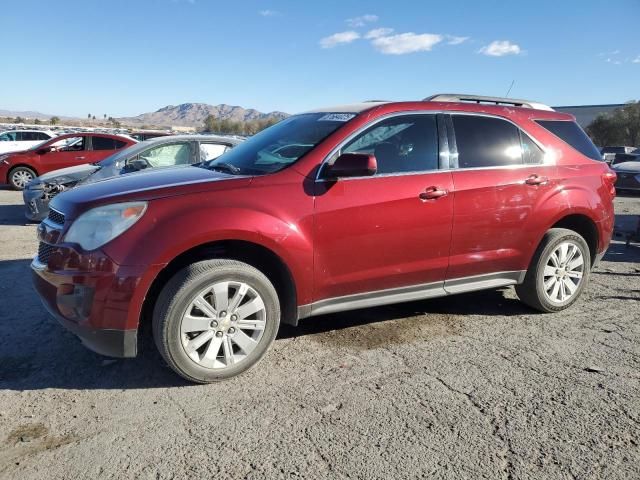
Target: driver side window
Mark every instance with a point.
(407, 143)
(8, 137)
(168, 155)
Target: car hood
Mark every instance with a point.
(144, 185)
(68, 175)
(633, 166)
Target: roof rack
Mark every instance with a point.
(459, 97)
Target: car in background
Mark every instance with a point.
(16, 140)
(610, 153)
(167, 151)
(19, 168)
(144, 135)
(628, 173)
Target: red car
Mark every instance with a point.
(330, 210)
(19, 168)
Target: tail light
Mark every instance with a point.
(609, 178)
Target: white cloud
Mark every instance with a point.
(362, 20)
(378, 32)
(339, 39)
(269, 13)
(500, 48)
(636, 60)
(615, 62)
(406, 43)
(453, 40)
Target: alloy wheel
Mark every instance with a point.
(21, 178)
(223, 324)
(563, 272)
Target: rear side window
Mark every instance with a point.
(572, 134)
(42, 136)
(532, 154)
(119, 144)
(486, 142)
(103, 143)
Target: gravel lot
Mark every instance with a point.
(472, 386)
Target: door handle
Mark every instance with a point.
(79, 158)
(432, 193)
(536, 180)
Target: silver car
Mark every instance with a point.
(168, 151)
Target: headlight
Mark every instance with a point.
(100, 225)
(3, 159)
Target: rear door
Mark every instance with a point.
(499, 177)
(101, 148)
(382, 232)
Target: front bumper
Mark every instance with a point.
(90, 305)
(628, 180)
(37, 208)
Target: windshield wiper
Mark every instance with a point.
(226, 167)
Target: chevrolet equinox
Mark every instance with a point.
(330, 210)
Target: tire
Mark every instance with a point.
(539, 287)
(186, 336)
(20, 176)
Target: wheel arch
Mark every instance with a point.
(254, 254)
(585, 226)
(25, 165)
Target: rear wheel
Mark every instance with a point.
(558, 272)
(215, 319)
(19, 177)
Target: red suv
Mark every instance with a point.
(331, 210)
(19, 168)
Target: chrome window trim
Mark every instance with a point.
(339, 147)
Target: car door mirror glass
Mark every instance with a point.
(352, 165)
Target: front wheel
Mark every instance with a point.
(19, 177)
(215, 319)
(558, 272)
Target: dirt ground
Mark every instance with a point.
(471, 386)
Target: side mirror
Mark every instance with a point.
(42, 151)
(352, 165)
(137, 164)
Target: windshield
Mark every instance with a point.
(279, 146)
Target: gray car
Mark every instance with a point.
(628, 174)
(169, 151)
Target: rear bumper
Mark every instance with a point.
(74, 300)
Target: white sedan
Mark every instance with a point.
(17, 140)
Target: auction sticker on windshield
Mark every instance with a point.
(337, 117)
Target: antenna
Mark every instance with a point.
(510, 87)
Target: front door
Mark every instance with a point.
(389, 230)
(73, 152)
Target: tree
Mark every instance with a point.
(226, 126)
(94, 117)
(88, 116)
(37, 121)
(621, 127)
(54, 120)
(19, 120)
(105, 116)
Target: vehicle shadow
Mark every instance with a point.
(486, 303)
(13, 215)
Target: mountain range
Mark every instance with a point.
(184, 115)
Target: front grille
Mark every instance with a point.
(56, 217)
(44, 252)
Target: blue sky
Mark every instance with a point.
(128, 57)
